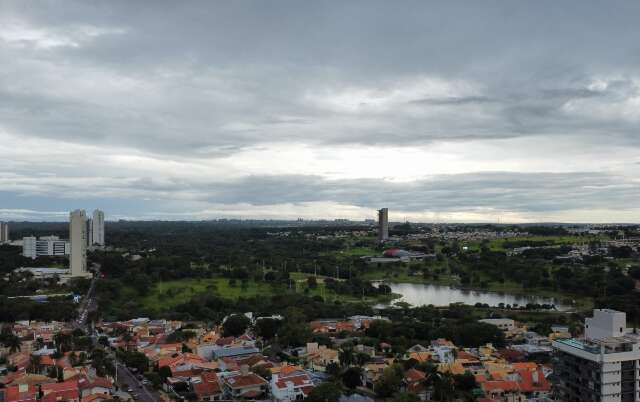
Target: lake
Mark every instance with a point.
(418, 294)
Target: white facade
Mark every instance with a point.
(4, 232)
(44, 246)
(605, 323)
(505, 324)
(383, 224)
(78, 239)
(611, 354)
(97, 228)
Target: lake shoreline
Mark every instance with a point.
(418, 294)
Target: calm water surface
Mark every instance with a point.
(425, 294)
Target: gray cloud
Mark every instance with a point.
(202, 80)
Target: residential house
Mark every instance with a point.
(244, 384)
(290, 384)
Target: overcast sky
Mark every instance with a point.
(473, 111)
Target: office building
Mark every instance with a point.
(97, 228)
(4, 232)
(383, 224)
(602, 366)
(78, 240)
(44, 246)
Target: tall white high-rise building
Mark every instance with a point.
(78, 240)
(97, 228)
(4, 232)
(383, 224)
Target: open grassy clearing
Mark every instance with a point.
(166, 295)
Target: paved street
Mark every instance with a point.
(141, 392)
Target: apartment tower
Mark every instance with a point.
(604, 366)
(383, 224)
(4, 232)
(97, 228)
(78, 241)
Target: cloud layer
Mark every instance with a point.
(440, 111)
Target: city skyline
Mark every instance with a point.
(471, 112)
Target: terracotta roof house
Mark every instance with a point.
(244, 385)
(208, 388)
(292, 383)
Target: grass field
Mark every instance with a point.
(171, 293)
(498, 244)
(166, 295)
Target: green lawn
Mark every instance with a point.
(166, 295)
(171, 293)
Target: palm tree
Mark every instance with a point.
(13, 343)
(346, 356)
(444, 387)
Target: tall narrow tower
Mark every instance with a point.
(97, 228)
(78, 240)
(4, 232)
(383, 224)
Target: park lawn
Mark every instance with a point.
(302, 276)
(498, 244)
(359, 251)
(169, 294)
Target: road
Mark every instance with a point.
(138, 390)
(87, 305)
(125, 378)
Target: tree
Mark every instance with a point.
(34, 364)
(381, 329)
(164, 372)
(333, 369)
(13, 343)
(266, 328)
(444, 387)
(325, 392)
(352, 377)
(312, 283)
(390, 381)
(346, 356)
(262, 371)
(235, 325)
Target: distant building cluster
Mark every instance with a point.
(84, 232)
(33, 247)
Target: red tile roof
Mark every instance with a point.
(242, 381)
(68, 395)
(500, 385)
(208, 387)
(94, 397)
(59, 386)
(413, 375)
(13, 394)
(298, 381)
(102, 382)
(527, 383)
